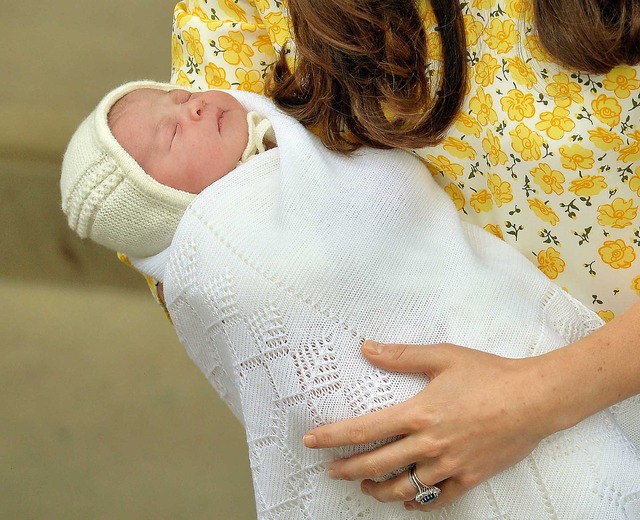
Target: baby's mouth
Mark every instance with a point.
(220, 120)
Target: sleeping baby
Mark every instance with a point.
(279, 257)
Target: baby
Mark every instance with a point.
(285, 261)
(139, 159)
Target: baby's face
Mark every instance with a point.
(182, 139)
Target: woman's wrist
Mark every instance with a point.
(543, 390)
(591, 374)
(565, 392)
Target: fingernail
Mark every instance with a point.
(372, 347)
(332, 474)
(310, 441)
(364, 488)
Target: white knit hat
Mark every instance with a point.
(108, 197)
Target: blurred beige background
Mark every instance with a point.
(102, 415)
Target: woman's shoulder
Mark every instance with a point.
(227, 44)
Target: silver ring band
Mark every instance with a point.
(426, 494)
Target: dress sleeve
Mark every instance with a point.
(226, 44)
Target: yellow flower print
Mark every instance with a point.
(484, 4)
(631, 152)
(537, 51)
(455, 193)
(481, 201)
(564, 91)
(459, 148)
(619, 214)
(447, 167)
(473, 29)
(233, 10)
(434, 44)
(501, 190)
(277, 27)
(199, 13)
(634, 182)
(526, 142)
(549, 180)
(621, 80)
(495, 230)
(518, 104)
(235, 50)
(250, 81)
(216, 77)
(605, 139)
(635, 284)
(183, 80)
(264, 45)
(519, 9)
(606, 315)
(486, 70)
(550, 262)
(214, 25)
(522, 73)
(195, 49)
(576, 156)
(607, 109)
(261, 5)
(181, 15)
(617, 254)
(588, 186)
(556, 123)
(248, 27)
(177, 58)
(468, 125)
(482, 106)
(542, 211)
(491, 145)
(467, 85)
(501, 36)
(427, 14)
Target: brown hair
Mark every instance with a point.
(361, 67)
(590, 35)
(362, 72)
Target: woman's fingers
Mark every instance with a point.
(397, 489)
(378, 425)
(379, 462)
(450, 491)
(391, 421)
(400, 487)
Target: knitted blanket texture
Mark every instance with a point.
(278, 272)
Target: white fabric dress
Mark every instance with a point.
(279, 270)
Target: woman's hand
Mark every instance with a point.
(479, 415)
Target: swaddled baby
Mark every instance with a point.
(279, 268)
(134, 165)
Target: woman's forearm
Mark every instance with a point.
(593, 373)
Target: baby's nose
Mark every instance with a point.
(195, 108)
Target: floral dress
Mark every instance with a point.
(544, 157)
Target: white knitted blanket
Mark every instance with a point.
(279, 270)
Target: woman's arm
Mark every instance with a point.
(481, 413)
